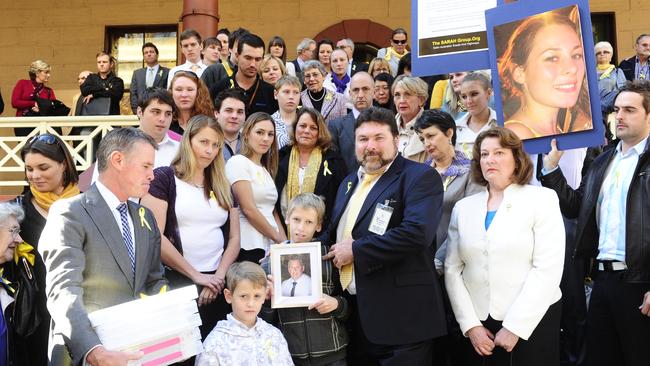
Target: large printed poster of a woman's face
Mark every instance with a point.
(542, 76)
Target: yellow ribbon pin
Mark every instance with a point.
(24, 250)
(6, 281)
(329, 97)
(349, 186)
(326, 169)
(143, 221)
(212, 196)
(232, 83)
(162, 291)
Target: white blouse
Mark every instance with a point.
(265, 195)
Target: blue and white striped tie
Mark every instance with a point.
(126, 234)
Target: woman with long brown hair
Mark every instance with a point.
(251, 174)
(542, 72)
(191, 97)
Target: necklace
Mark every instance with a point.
(314, 99)
(231, 141)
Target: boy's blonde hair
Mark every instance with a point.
(241, 271)
(308, 200)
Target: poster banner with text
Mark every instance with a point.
(449, 36)
(544, 73)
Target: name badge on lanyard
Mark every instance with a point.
(380, 219)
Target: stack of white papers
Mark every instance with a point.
(165, 327)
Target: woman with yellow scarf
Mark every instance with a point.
(397, 49)
(308, 164)
(51, 175)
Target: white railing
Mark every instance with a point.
(80, 146)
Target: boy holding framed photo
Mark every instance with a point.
(315, 334)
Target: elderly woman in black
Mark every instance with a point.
(308, 164)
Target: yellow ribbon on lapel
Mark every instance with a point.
(212, 196)
(326, 169)
(232, 84)
(349, 186)
(162, 291)
(143, 221)
(25, 250)
(6, 281)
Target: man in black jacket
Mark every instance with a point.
(637, 67)
(259, 94)
(612, 204)
(104, 84)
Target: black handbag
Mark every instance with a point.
(26, 316)
(48, 107)
(100, 106)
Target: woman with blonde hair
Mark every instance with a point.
(542, 73)
(378, 66)
(193, 206)
(191, 97)
(272, 69)
(23, 97)
(409, 95)
(251, 174)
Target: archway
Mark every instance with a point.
(367, 35)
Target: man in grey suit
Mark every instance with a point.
(100, 249)
(153, 75)
(342, 129)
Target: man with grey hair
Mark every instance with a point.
(347, 45)
(305, 51)
(101, 250)
(637, 67)
(342, 128)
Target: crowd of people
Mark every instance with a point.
(443, 241)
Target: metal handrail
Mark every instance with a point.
(80, 146)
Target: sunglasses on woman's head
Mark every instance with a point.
(44, 138)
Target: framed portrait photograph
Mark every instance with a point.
(544, 74)
(296, 270)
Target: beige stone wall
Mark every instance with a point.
(68, 33)
(631, 20)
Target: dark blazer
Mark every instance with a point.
(139, 83)
(398, 293)
(326, 185)
(358, 66)
(628, 66)
(342, 131)
(582, 203)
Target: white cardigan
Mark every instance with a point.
(511, 271)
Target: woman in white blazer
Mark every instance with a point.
(505, 258)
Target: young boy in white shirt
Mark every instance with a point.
(243, 339)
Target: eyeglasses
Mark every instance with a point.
(14, 231)
(312, 76)
(44, 138)
(602, 53)
(399, 41)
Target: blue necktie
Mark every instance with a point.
(126, 234)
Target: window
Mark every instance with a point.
(125, 44)
(604, 28)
